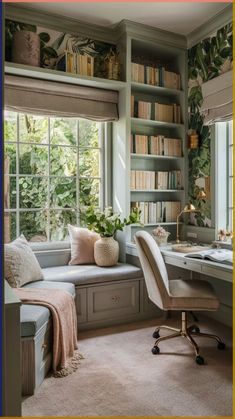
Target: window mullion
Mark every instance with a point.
(49, 181)
(78, 178)
(17, 175)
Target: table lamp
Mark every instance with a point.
(189, 208)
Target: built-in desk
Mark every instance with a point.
(218, 274)
(205, 267)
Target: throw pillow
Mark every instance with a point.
(20, 263)
(82, 245)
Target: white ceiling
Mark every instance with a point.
(180, 18)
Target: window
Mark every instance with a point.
(224, 175)
(53, 167)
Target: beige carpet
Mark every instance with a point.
(120, 376)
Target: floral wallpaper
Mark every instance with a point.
(53, 45)
(206, 60)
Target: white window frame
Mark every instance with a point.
(223, 174)
(103, 178)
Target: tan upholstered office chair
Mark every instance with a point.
(177, 294)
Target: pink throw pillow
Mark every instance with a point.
(82, 245)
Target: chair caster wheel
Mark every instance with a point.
(199, 360)
(196, 329)
(155, 350)
(221, 346)
(156, 334)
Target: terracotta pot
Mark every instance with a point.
(26, 48)
(106, 251)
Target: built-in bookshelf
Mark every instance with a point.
(157, 134)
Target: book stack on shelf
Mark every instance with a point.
(151, 180)
(157, 212)
(167, 113)
(170, 113)
(79, 64)
(155, 76)
(155, 145)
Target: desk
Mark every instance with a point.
(205, 267)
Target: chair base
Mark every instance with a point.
(186, 332)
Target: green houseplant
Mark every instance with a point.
(107, 223)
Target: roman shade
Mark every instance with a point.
(217, 95)
(41, 97)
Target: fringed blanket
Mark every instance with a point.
(62, 307)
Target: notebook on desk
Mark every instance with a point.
(216, 255)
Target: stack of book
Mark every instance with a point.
(79, 64)
(161, 180)
(155, 76)
(140, 109)
(168, 113)
(156, 145)
(157, 212)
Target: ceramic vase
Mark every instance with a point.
(26, 48)
(161, 240)
(106, 251)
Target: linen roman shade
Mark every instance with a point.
(217, 95)
(42, 97)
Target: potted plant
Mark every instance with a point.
(106, 223)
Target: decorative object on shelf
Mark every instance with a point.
(160, 235)
(107, 223)
(193, 139)
(224, 235)
(188, 209)
(26, 48)
(112, 65)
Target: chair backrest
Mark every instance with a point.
(154, 269)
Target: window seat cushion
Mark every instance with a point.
(33, 317)
(91, 274)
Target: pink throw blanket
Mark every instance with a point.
(62, 307)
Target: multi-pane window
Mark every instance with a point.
(53, 167)
(224, 175)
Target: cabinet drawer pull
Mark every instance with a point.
(115, 298)
(44, 345)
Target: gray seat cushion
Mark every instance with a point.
(33, 317)
(91, 274)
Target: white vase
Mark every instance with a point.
(106, 251)
(26, 48)
(161, 240)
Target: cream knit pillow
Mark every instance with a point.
(82, 245)
(20, 263)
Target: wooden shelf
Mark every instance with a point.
(150, 123)
(62, 76)
(148, 88)
(154, 157)
(164, 223)
(157, 190)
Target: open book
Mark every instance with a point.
(216, 255)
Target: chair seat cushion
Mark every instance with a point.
(33, 317)
(90, 274)
(192, 295)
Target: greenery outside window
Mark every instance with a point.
(53, 167)
(224, 175)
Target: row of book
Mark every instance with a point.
(156, 111)
(155, 76)
(79, 64)
(151, 180)
(157, 145)
(157, 212)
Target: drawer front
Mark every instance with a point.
(217, 273)
(113, 301)
(183, 263)
(81, 306)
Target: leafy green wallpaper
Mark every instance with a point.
(206, 60)
(53, 45)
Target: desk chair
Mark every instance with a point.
(176, 294)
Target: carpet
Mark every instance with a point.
(120, 377)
